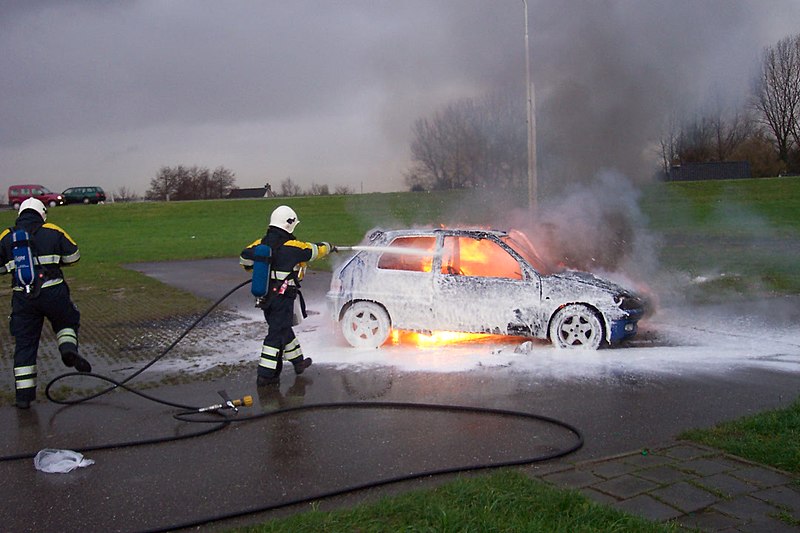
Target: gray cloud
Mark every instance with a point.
(327, 91)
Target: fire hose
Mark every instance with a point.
(215, 415)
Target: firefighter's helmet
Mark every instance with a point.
(34, 204)
(284, 217)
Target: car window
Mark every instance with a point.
(467, 256)
(416, 254)
(520, 243)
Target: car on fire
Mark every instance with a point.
(474, 281)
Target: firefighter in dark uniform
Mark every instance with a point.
(288, 264)
(48, 297)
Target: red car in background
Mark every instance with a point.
(19, 193)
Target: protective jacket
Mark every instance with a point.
(52, 248)
(289, 259)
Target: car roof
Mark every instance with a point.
(409, 232)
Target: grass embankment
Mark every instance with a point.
(742, 234)
(748, 228)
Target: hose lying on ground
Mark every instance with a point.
(220, 420)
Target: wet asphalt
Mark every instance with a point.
(259, 461)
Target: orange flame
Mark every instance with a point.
(436, 338)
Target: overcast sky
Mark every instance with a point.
(106, 93)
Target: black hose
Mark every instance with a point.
(407, 477)
(220, 421)
(121, 384)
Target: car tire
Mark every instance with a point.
(86, 200)
(52, 203)
(365, 325)
(576, 326)
(16, 206)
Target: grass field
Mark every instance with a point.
(749, 229)
(746, 232)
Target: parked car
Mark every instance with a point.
(474, 281)
(19, 193)
(84, 195)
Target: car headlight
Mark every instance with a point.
(628, 302)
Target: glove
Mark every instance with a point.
(329, 246)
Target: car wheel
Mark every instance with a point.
(86, 200)
(576, 326)
(16, 206)
(365, 325)
(52, 203)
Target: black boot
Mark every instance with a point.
(71, 359)
(23, 404)
(300, 367)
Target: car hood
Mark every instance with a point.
(589, 280)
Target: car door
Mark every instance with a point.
(402, 281)
(480, 286)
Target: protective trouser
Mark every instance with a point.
(280, 341)
(27, 319)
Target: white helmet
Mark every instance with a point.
(36, 205)
(284, 217)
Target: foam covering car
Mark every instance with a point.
(474, 281)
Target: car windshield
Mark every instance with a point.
(520, 243)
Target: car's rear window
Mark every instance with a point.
(414, 254)
(466, 256)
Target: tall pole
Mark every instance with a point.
(532, 179)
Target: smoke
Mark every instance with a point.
(597, 226)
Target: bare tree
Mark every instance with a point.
(124, 194)
(318, 190)
(343, 189)
(163, 186)
(731, 126)
(777, 93)
(190, 183)
(668, 143)
(470, 143)
(222, 181)
(290, 188)
(696, 140)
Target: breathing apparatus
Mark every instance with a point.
(261, 266)
(24, 266)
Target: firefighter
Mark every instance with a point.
(287, 267)
(48, 248)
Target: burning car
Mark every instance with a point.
(474, 281)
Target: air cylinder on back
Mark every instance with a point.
(261, 263)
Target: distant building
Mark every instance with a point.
(718, 170)
(256, 192)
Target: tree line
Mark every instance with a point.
(199, 183)
(480, 142)
(764, 130)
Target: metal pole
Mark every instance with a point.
(532, 179)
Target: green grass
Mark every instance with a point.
(744, 208)
(503, 501)
(771, 438)
(745, 231)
